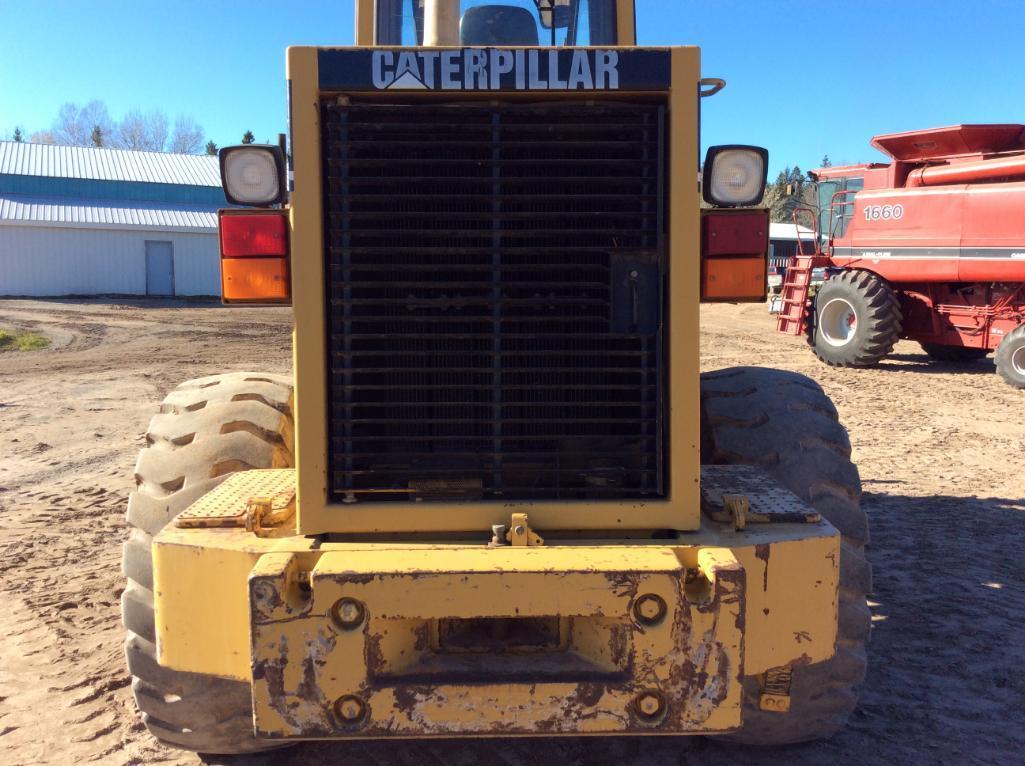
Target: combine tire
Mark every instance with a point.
(1010, 357)
(855, 320)
(955, 354)
(206, 429)
(784, 423)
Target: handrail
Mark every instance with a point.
(843, 209)
(709, 86)
(815, 230)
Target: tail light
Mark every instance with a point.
(254, 256)
(734, 255)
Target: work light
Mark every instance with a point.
(734, 175)
(253, 175)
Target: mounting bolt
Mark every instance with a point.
(348, 614)
(649, 707)
(350, 709)
(519, 529)
(649, 609)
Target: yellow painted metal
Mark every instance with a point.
(202, 605)
(520, 532)
(312, 670)
(737, 507)
(793, 581)
(230, 504)
(317, 515)
(201, 600)
(626, 25)
(366, 22)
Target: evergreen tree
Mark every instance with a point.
(826, 162)
(248, 137)
(211, 148)
(97, 136)
(18, 137)
(788, 192)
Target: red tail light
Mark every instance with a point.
(254, 257)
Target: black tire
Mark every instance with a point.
(784, 423)
(1010, 357)
(206, 429)
(954, 354)
(878, 320)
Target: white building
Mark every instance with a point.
(83, 221)
(785, 238)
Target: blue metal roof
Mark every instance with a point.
(104, 214)
(24, 159)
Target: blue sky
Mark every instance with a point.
(806, 77)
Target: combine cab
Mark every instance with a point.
(929, 247)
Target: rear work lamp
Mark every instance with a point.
(734, 175)
(253, 175)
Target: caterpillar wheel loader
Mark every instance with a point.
(496, 497)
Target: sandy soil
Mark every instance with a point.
(939, 449)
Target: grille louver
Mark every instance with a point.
(495, 300)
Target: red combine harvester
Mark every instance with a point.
(929, 247)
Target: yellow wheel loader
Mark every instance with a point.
(496, 498)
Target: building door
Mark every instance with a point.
(159, 268)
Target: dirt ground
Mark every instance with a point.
(939, 447)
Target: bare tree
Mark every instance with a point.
(74, 125)
(187, 136)
(142, 132)
(131, 131)
(156, 130)
(42, 137)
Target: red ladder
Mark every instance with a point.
(792, 310)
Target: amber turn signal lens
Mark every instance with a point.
(255, 279)
(738, 279)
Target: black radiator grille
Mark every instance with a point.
(495, 300)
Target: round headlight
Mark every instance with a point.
(735, 176)
(251, 175)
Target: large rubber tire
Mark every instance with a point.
(955, 354)
(878, 320)
(1010, 357)
(784, 423)
(206, 429)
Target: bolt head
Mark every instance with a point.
(348, 613)
(520, 529)
(650, 707)
(350, 709)
(649, 609)
(649, 704)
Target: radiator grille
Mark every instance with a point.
(495, 300)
